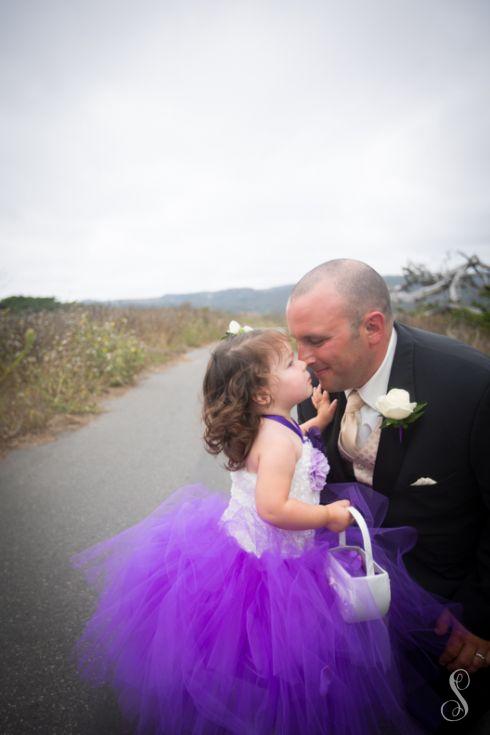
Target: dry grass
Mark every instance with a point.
(466, 328)
(56, 365)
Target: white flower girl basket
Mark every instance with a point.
(365, 597)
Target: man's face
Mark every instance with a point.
(327, 342)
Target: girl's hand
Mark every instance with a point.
(324, 408)
(339, 517)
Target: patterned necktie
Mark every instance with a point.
(363, 458)
(350, 423)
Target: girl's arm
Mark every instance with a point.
(325, 410)
(274, 474)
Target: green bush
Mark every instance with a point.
(30, 303)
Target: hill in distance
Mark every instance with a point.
(261, 301)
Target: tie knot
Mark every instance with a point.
(354, 402)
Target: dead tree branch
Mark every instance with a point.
(421, 284)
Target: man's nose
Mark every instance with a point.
(304, 355)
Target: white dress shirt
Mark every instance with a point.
(376, 386)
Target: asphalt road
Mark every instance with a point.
(61, 497)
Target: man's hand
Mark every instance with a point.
(461, 646)
(321, 400)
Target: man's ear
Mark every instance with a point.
(374, 325)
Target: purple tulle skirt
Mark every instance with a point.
(199, 637)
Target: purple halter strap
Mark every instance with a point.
(293, 425)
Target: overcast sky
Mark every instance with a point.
(162, 147)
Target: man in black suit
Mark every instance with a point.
(437, 478)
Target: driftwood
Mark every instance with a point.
(421, 284)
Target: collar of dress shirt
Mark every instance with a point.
(377, 384)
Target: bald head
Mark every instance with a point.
(360, 287)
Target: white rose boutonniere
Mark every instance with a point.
(397, 409)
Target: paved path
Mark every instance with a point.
(60, 497)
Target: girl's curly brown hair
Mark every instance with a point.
(239, 369)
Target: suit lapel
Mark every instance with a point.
(391, 451)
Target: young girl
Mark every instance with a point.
(216, 616)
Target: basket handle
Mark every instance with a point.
(365, 538)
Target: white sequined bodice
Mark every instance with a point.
(255, 535)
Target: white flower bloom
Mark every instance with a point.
(246, 328)
(233, 327)
(395, 404)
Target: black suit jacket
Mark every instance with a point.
(449, 443)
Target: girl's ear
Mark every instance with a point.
(262, 398)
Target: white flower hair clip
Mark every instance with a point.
(235, 328)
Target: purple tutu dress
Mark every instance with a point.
(211, 621)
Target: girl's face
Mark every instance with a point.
(290, 382)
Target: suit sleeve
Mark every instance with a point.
(306, 411)
(474, 593)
